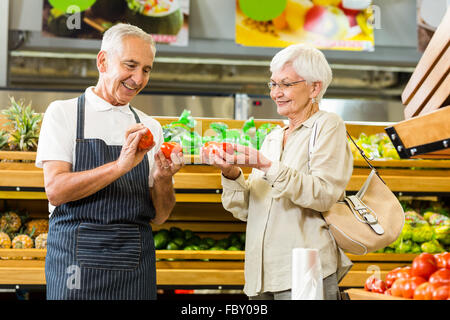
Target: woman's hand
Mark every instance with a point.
(228, 161)
(217, 158)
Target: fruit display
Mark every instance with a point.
(18, 231)
(428, 278)
(23, 127)
(182, 131)
(427, 232)
(178, 239)
(375, 146)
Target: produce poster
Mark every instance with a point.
(324, 24)
(166, 20)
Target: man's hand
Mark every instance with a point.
(166, 168)
(163, 195)
(131, 155)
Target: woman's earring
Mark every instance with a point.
(313, 100)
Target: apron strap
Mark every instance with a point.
(80, 117)
(135, 115)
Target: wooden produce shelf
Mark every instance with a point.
(361, 294)
(191, 268)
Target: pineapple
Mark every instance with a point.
(22, 241)
(3, 139)
(36, 227)
(24, 126)
(10, 222)
(41, 241)
(5, 242)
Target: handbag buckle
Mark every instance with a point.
(366, 213)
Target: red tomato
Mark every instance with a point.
(368, 285)
(410, 285)
(397, 287)
(424, 291)
(443, 260)
(440, 277)
(212, 146)
(441, 293)
(379, 286)
(391, 276)
(168, 147)
(423, 265)
(404, 273)
(146, 140)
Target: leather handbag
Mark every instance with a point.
(370, 220)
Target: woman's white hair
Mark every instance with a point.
(308, 62)
(112, 38)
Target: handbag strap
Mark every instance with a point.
(312, 141)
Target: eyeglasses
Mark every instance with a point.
(282, 86)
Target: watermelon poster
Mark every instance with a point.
(324, 24)
(166, 20)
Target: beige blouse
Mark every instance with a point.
(282, 208)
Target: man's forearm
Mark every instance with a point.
(163, 197)
(64, 186)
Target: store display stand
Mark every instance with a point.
(425, 132)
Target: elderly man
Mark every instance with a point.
(103, 189)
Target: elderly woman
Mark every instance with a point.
(283, 197)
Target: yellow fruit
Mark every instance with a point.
(10, 222)
(37, 227)
(5, 241)
(295, 13)
(41, 241)
(22, 241)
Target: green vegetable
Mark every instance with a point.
(436, 219)
(443, 234)
(176, 232)
(172, 246)
(415, 248)
(220, 128)
(188, 234)
(407, 232)
(403, 247)
(249, 127)
(422, 234)
(432, 246)
(161, 240)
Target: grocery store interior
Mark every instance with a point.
(212, 83)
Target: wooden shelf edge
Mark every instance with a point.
(361, 294)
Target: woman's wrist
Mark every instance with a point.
(265, 165)
(232, 174)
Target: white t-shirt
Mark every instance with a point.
(102, 121)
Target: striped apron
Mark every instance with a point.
(101, 247)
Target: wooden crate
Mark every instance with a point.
(430, 78)
(425, 136)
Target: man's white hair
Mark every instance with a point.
(112, 38)
(308, 62)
